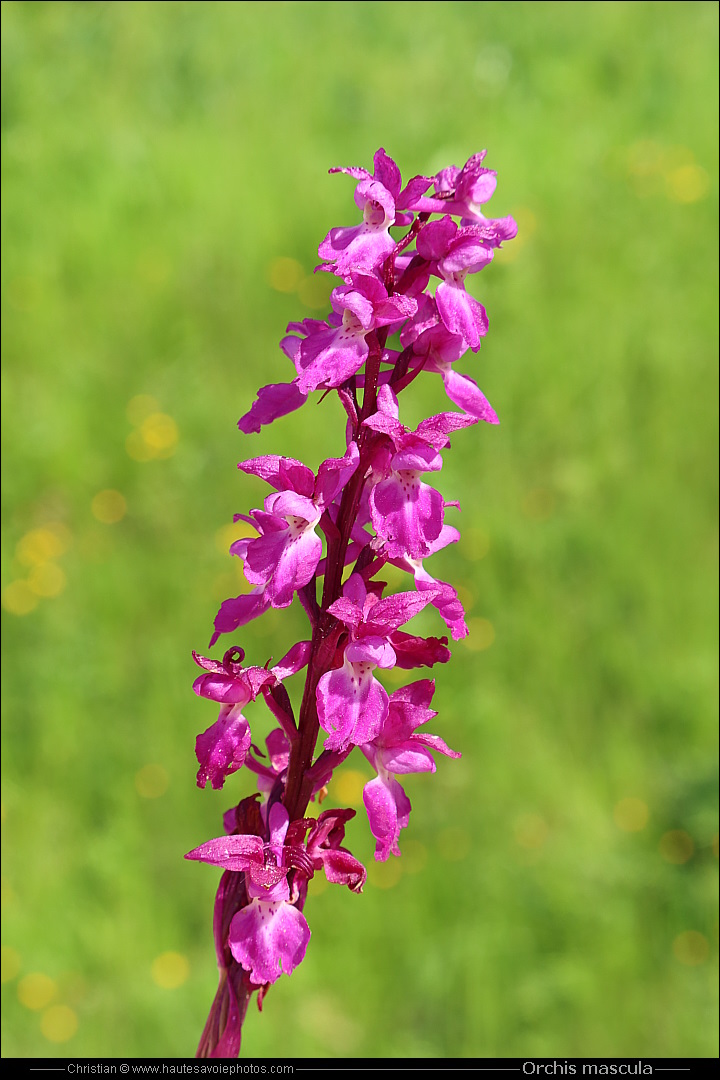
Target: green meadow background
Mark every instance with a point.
(165, 190)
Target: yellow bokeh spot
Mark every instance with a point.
(39, 545)
(59, 1023)
(35, 991)
(385, 875)
(481, 634)
(156, 437)
(137, 448)
(475, 543)
(170, 970)
(160, 432)
(232, 584)
(414, 856)
(140, 407)
(527, 224)
(531, 832)
(687, 184)
(347, 786)
(151, 781)
(631, 815)
(394, 675)
(314, 292)
(677, 846)
(228, 534)
(10, 965)
(454, 844)
(691, 948)
(527, 221)
(109, 506)
(284, 274)
(47, 580)
(465, 596)
(18, 598)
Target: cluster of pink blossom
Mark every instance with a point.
(400, 309)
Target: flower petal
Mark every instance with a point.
(268, 939)
(221, 750)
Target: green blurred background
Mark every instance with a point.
(166, 187)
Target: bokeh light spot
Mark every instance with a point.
(687, 184)
(531, 831)
(140, 407)
(10, 964)
(347, 786)
(465, 596)
(527, 221)
(691, 948)
(39, 545)
(137, 448)
(677, 846)
(18, 598)
(170, 970)
(47, 580)
(59, 1023)
(285, 274)
(394, 675)
(160, 433)
(232, 585)
(385, 875)
(314, 292)
(228, 534)
(631, 815)
(481, 634)
(109, 506)
(151, 781)
(156, 436)
(36, 991)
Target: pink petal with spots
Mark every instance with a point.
(352, 706)
(295, 566)
(268, 939)
(407, 514)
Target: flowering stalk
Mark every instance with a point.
(373, 507)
